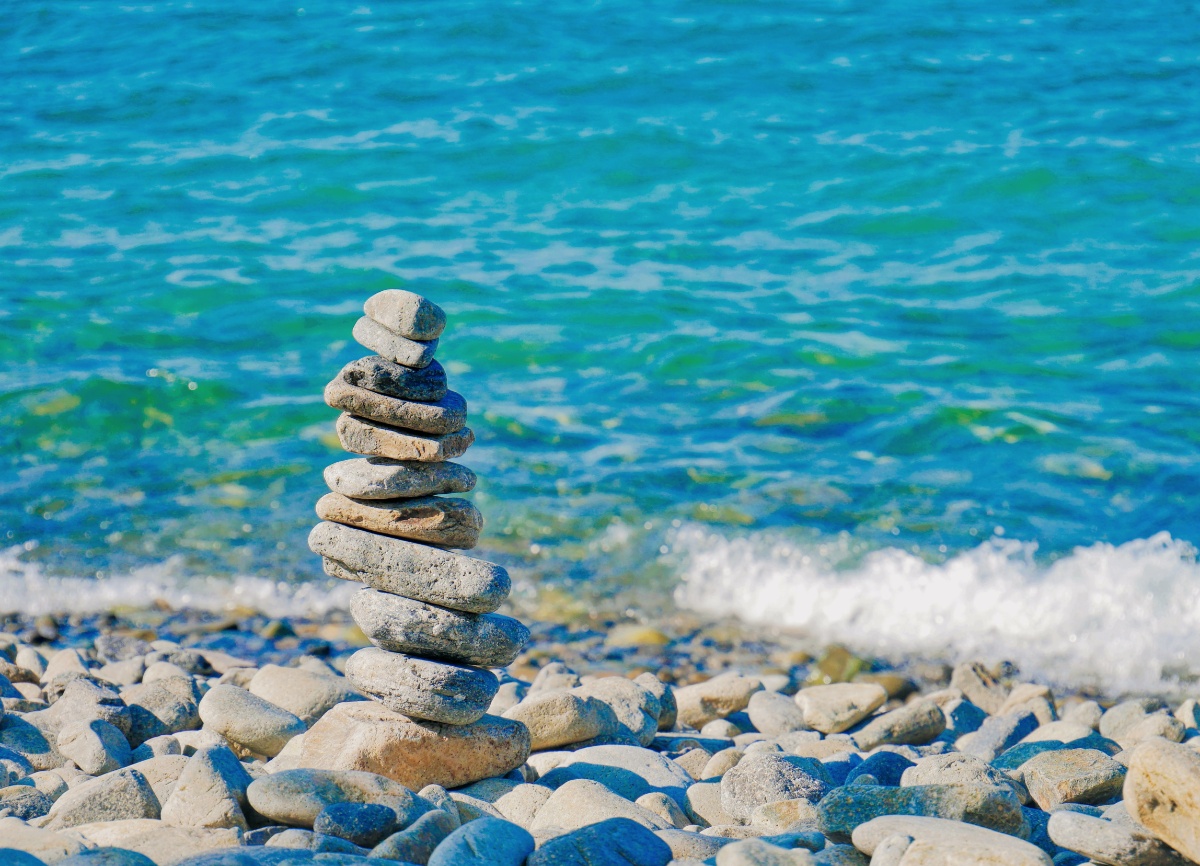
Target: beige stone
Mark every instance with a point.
(363, 436)
(442, 520)
(701, 703)
(370, 737)
(837, 707)
(939, 842)
(561, 718)
(443, 416)
(1162, 793)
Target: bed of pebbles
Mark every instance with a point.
(178, 737)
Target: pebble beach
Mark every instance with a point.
(179, 737)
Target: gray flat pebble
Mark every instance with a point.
(913, 724)
(416, 843)
(442, 520)
(393, 380)
(767, 778)
(415, 571)
(996, 808)
(629, 771)
(297, 797)
(380, 478)
(999, 733)
(635, 706)
(1109, 843)
(423, 688)
(939, 841)
(486, 842)
(210, 792)
(616, 841)
(447, 415)
(402, 625)
(774, 714)
(112, 797)
(364, 824)
(390, 345)
(406, 313)
(363, 436)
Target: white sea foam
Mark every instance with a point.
(1122, 618)
(26, 587)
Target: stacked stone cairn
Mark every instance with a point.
(389, 524)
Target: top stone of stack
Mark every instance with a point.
(406, 314)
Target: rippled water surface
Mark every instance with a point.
(885, 275)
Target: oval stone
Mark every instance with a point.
(423, 688)
(441, 520)
(380, 478)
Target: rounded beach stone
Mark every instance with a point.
(25, 802)
(393, 380)
(363, 436)
(446, 415)
(406, 313)
(581, 802)
(423, 688)
(414, 627)
(1072, 776)
(979, 687)
(306, 694)
(388, 344)
(561, 718)
(628, 771)
(1162, 793)
(837, 707)
(364, 824)
(635, 706)
(95, 746)
(667, 709)
(380, 478)
(248, 720)
(369, 737)
(441, 520)
(616, 840)
(996, 808)
(112, 797)
(415, 571)
(210, 792)
(774, 714)
(941, 841)
(486, 842)
(766, 778)
(913, 724)
(297, 797)
(1110, 842)
(699, 704)
(417, 843)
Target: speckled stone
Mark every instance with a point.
(388, 344)
(248, 720)
(766, 778)
(913, 724)
(423, 688)
(415, 571)
(414, 627)
(380, 478)
(404, 383)
(938, 841)
(442, 520)
(1162, 792)
(1072, 776)
(985, 805)
(406, 313)
(836, 707)
(446, 415)
(297, 797)
(363, 436)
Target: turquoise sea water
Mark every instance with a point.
(728, 283)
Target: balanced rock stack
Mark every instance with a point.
(388, 524)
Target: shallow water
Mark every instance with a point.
(721, 277)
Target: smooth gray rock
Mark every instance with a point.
(445, 521)
(1120, 718)
(837, 707)
(96, 747)
(581, 802)
(956, 768)
(938, 841)
(557, 718)
(306, 694)
(486, 842)
(766, 778)
(380, 478)
(634, 705)
(423, 688)
(998, 734)
(913, 724)
(773, 714)
(163, 707)
(446, 415)
(1072, 776)
(364, 824)
(370, 438)
(248, 720)
(112, 797)
(412, 627)
(25, 802)
(667, 711)
(1113, 844)
(297, 797)
(415, 844)
(616, 841)
(387, 377)
(415, 571)
(406, 313)
(996, 808)
(210, 792)
(390, 345)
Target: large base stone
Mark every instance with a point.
(368, 736)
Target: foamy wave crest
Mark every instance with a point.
(26, 588)
(1121, 618)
